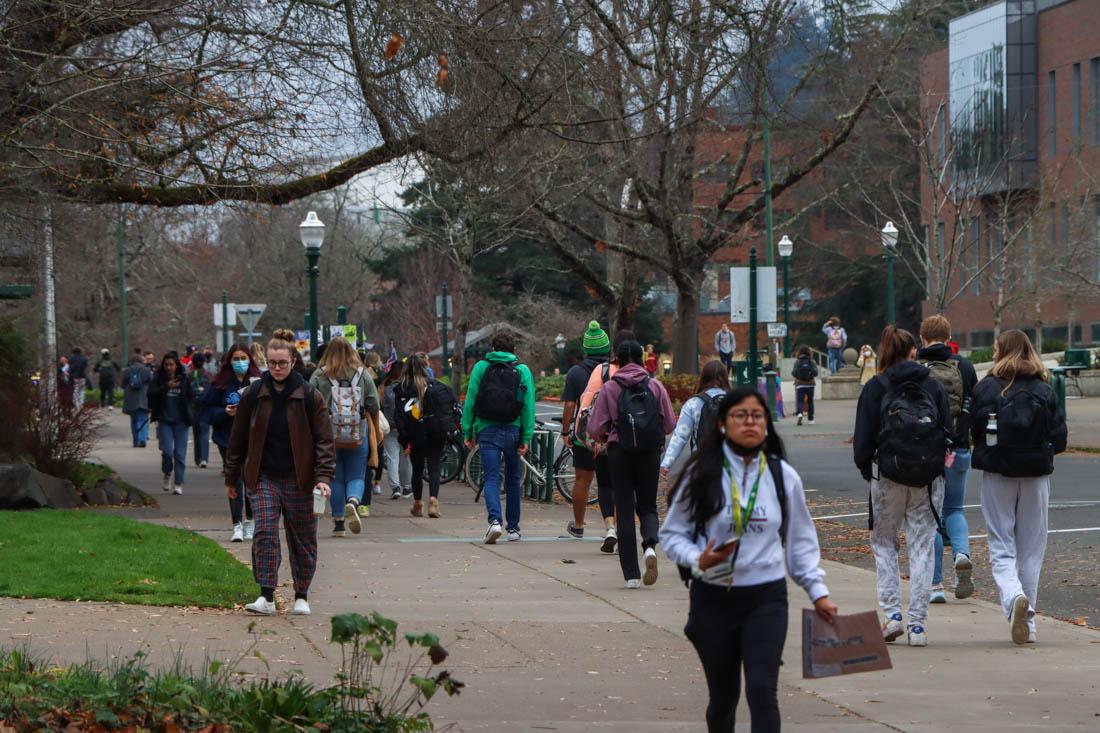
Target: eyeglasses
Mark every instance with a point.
(744, 416)
(280, 364)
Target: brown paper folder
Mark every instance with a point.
(850, 644)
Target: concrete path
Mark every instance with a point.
(546, 638)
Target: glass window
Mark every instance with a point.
(1052, 114)
(1076, 106)
(975, 248)
(941, 138)
(1095, 329)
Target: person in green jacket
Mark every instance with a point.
(499, 416)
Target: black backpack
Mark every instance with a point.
(803, 369)
(441, 413)
(498, 395)
(912, 445)
(708, 414)
(1023, 429)
(638, 424)
(775, 468)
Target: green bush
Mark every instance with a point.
(680, 386)
(981, 356)
(551, 385)
(91, 397)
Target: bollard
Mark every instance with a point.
(769, 391)
(1058, 381)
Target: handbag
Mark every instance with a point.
(383, 424)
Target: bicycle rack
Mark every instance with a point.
(542, 455)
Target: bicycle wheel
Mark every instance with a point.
(452, 463)
(475, 476)
(565, 477)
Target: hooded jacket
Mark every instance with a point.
(869, 410)
(987, 398)
(472, 425)
(605, 412)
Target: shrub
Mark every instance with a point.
(981, 356)
(549, 386)
(680, 386)
(57, 439)
(15, 387)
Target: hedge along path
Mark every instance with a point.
(82, 554)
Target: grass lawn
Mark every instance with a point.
(63, 554)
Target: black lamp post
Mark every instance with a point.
(312, 233)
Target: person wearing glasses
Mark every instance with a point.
(282, 447)
(737, 525)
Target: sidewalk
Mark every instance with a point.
(545, 637)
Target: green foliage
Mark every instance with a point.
(91, 397)
(981, 356)
(680, 387)
(1051, 345)
(15, 385)
(551, 385)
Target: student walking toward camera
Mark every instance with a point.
(352, 399)
(902, 434)
(281, 448)
(737, 525)
(700, 410)
(427, 415)
(804, 372)
(632, 416)
(172, 405)
(1018, 429)
(398, 465)
(200, 428)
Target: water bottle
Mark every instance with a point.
(991, 430)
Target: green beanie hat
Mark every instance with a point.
(596, 342)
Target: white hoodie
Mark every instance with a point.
(760, 558)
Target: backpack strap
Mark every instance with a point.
(775, 468)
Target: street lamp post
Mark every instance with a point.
(786, 249)
(890, 244)
(312, 233)
(559, 344)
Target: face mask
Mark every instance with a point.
(240, 367)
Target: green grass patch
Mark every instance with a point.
(83, 554)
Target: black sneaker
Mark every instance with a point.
(338, 528)
(574, 530)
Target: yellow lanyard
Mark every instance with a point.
(742, 518)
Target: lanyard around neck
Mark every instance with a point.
(741, 518)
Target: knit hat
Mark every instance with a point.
(596, 342)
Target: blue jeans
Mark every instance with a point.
(200, 433)
(494, 442)
(173, 447)
(139, 426)
(954, 520)
(350, 478)
(836, 360)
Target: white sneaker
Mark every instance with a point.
(650, 575)
(514, 535)
(166, 483)
(351, 517)
(377, 489)
(609, 541)
(238, 533)
(810, 422)
(111, 408)
(249, 529)
(301, 607)
(1019, 619)
(938, 595)
(892, 628)
(799, 421)
(1032, 637)
(178, 489)
(917, 636)
(964, 576)
(261, 606)
(493, 533)
(202, 464)
(633, 584)
(396, 494)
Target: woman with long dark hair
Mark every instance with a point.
(714, 382)
(1018, 429)
(172, 407)
(738, 520)
(219, 406)
(398, 465)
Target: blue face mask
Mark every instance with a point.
(240, 367)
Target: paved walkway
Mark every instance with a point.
(546, 638)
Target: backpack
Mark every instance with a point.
(134, 380)
(708, 414)
(949, 375)
(912, 446)
(803, 369)
(580, 426)
(836, 339)
(775, 468)
(345, 406)
(1023, 426)
(441, 412)
(498, 395)
(105, 368)
(638, 422)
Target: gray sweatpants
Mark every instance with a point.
(398, 466)
(1015, 511)
(899, 507)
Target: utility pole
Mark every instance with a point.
(225, 322)
(753, 371)
(444, 315)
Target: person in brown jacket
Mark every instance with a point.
(282, 446)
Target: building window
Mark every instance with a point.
(1095, 332)
(1094, 73)
(979, 339)
(975, 254)
(941, 138)
(1052, 114)
(1077, 106)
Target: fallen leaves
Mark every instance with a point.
(393, 46)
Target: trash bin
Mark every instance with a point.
(1078, 357)
(1058, 382)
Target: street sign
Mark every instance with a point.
(777, 330)
(249, 314)
(231, 312)
(350, 331)
(439, 312)
(448, 324)
(224, 340)
(766, 310)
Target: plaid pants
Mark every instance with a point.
(271, 498)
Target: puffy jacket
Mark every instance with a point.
(985, 400)
(605, 413)
(213, 410)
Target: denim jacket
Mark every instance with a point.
(685, 426)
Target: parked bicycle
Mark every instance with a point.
(562, 474)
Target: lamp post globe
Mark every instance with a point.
(312, 233)
(890, 244)
(786, 249)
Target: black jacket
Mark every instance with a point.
(157, 389)
(987, 397)
(869, 410)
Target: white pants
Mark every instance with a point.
(398, 465)
(78, 393)
(1015, 511)
(894, 506)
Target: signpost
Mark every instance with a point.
(249, 314)
(766, 305)
(777, 330)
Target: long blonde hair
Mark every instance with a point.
(415, 377)
(1016, 357)
(340, 360)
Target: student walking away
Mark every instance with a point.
(135, 399)
(171, 404)
(219, 406)
(1018, 429)
(352, 400)
(398, 465)
(78, 372)
(106, 369)
(632, 415)
(737, 524)
(200, 428)
(427, 417)
(281, 447)
(836, 338)
(373, 362)
(699, 411)
(902, 434)
(804, 372)
(586, 464)
(64, 385)
(867, 361)
(725, 343)
(957, 377)
(499, 417)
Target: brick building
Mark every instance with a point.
(1012, 225)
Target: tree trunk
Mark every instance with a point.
(626, 308)
(685, 335)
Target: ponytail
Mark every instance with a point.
(896, 346)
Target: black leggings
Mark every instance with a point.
(734, 628)
(106, 392)
(428, 450)
(242, 505)
(634, 478)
